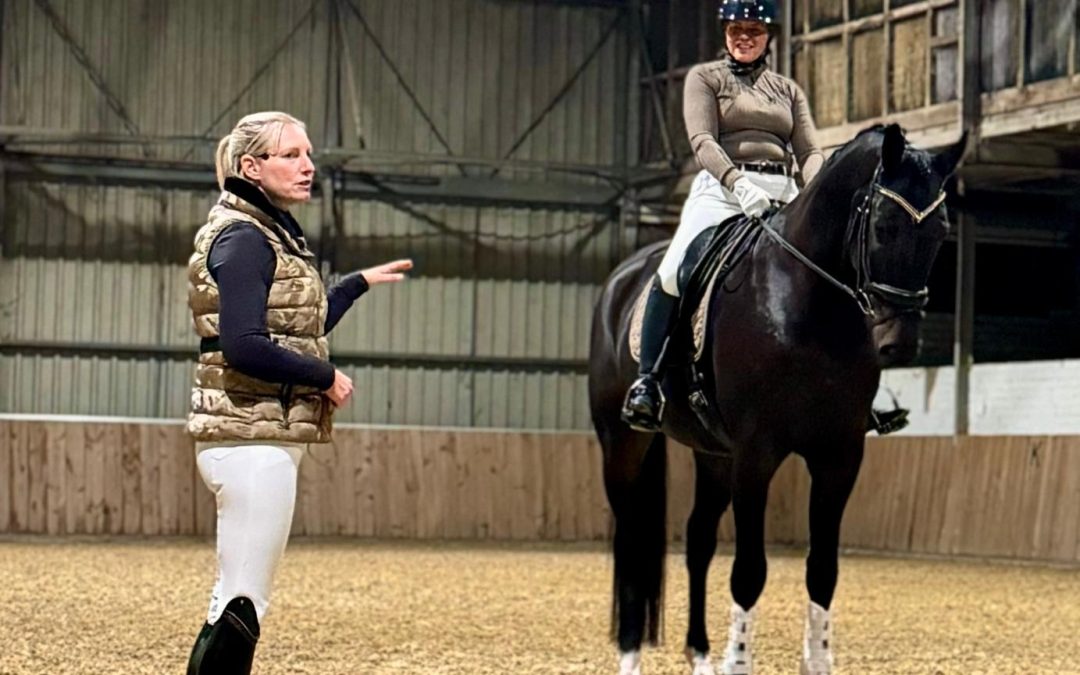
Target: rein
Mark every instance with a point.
(902, 298)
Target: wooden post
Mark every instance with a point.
(846, 48)
(886, 56)
(706, 50)
(642, 46)
(787, 54)
(928, 82)
(1070, 67)
(964, 318)
(970, 75)
(672, 63)
(964, 330)
(1021, 41)
(628, 150)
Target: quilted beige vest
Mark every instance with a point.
(227, 405)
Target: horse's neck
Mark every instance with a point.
(817, 223)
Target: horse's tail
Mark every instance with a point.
(640, 543)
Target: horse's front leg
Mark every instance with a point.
(753, 470)
(831, 483)
(712, 494)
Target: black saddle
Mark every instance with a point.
(717, 250)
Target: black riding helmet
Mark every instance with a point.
(765, 11)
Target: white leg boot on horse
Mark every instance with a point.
(630, 663)
(700, 663)
(738, 657)
(817, 646)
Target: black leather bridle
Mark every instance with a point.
(904, 300)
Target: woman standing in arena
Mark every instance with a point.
(264, 387)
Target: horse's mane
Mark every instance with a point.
(868, 139)
(851, 165)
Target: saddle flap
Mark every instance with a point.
(712, 256)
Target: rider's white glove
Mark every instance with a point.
(752, 200)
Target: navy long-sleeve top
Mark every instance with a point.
(243, 264)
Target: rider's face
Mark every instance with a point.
(746, 40)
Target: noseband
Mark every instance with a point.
(858, 227)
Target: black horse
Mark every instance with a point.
(796, 340)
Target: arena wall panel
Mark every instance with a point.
(1012, 497)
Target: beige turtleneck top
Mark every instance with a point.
(754, 117)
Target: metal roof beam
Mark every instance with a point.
(382, 186)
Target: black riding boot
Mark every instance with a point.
(644, 406)
(227, 647)
(888, 421)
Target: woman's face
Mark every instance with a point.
(746, 40)
(286, 173)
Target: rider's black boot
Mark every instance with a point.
(888, 421)
(644, 406)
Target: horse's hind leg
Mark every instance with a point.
(635, 477)
(831, 484)
(753, 470)
(712, 494)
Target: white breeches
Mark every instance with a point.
(709, 204)
(255, 488)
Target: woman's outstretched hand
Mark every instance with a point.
(387, 272)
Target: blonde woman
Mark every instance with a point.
(264, 387)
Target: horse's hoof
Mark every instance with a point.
(700, 663)
(630, 663)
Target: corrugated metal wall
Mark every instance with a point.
(492, 328)
(103, 267)
(482, 71)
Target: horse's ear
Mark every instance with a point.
(946, 161)
(892, 149)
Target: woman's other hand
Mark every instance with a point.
(341, 390)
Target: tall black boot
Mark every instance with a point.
(228, 646)
(644, 406)
(889, 421)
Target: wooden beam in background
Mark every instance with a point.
(872, 21)
(970, 111)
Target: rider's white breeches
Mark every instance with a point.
(709, 204)
(255, 488)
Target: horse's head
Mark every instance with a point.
(897, 227)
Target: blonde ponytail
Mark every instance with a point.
(221, 162)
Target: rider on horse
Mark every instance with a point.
(745, 123)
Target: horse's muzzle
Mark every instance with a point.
(897, 339)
